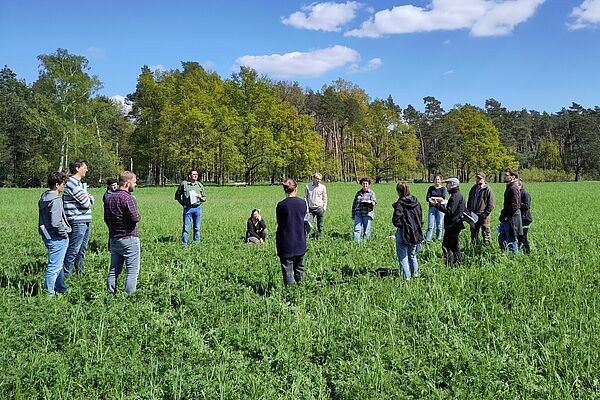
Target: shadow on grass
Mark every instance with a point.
(167, 239)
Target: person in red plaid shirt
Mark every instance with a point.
(121, 216)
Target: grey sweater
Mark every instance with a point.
(52, 216)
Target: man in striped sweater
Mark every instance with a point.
(78, 209)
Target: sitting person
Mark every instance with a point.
(256, 229)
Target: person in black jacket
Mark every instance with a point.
(481, 202)
(453, 210)
(256, 229)
(525, 217)
(408, 218)
(290, 237)
(511, 225)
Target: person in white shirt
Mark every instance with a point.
(316, 198)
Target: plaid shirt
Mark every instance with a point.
(362, 209)
(121, 214)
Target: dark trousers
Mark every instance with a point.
(451, 246)
(523, 241)
(319, 215)
(292, 269)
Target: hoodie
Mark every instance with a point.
(408, 218)
(52, 222)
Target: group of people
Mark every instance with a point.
(64, 222)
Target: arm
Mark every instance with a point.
(373, 197)
(56, 217)
(491, 201)
(250, 230)
(355, 203)
(428, 195)
(79, 195)
(179, 194)
(132, 208)
(324, 198)
(397, 215)
(515, 202)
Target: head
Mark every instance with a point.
(127, 181)
(452, 183)
(78, 168)
(57, 181)
(365, 182)
(289, 186)
(193, 175)
(437, 180)
(255, 213)
(480, 178)
(519, 184)
(510, 175)
(402, 189)
(317, 177)
(112, 184)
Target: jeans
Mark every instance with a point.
(506, 238)
(434, 217)
(78, 243)
(360, 224)
(54, 280)
(125, 250)
(319, 214)
(407, 256)
(292, 269)
(189, 214)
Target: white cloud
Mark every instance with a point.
(449, 72)
(208, 65)
(95, 53)
(328, 16)
(587, 14)
(481, 17)
(122, 103)
(372, 65)
(301, 64)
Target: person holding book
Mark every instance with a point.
(190, 194)
(363, 210)
(435, 218)
(480, 204)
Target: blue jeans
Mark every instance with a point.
(54, 280)
(78, 243)
(189, 214)
(407, 256)
(360, 224)
(124, 250)
(506, 238)
(434, 217)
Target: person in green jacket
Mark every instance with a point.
(190, 194)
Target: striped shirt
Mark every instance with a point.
(121, 214)
(77, 202)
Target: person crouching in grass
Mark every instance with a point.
(54, 228)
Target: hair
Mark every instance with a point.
(317, 175)
(56, 178)
(289, 185)
(441, 177)
(402, 189)
(110, 181)
(253, 211)
(365, 179)
(125, 177)
(512, 172)
(192, 170)
(75, 164)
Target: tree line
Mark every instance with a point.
(250, 128)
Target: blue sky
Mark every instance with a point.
(532, 54)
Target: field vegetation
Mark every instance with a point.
(215, 321)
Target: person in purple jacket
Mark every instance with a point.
(290, 237)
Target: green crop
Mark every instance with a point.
(215, 321)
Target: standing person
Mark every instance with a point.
(316, 197)
(256, 229)
(363, 210)
(453, 210)
(408, 218)
(525, 217)
(190, 194)
(481, 202)
(121, 215)
(111, 187)
(54, 228)
(78, 209)
(511, 225)
(434, 216)
(290, 237)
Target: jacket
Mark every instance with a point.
(408, 218)
(526, 207)
(453, 210)
(52, 221)
(485, 201)
(183, 194)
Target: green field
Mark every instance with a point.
(216, 322)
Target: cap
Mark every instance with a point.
(481, 175)
(453, 181)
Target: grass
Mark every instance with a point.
(215, 321)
